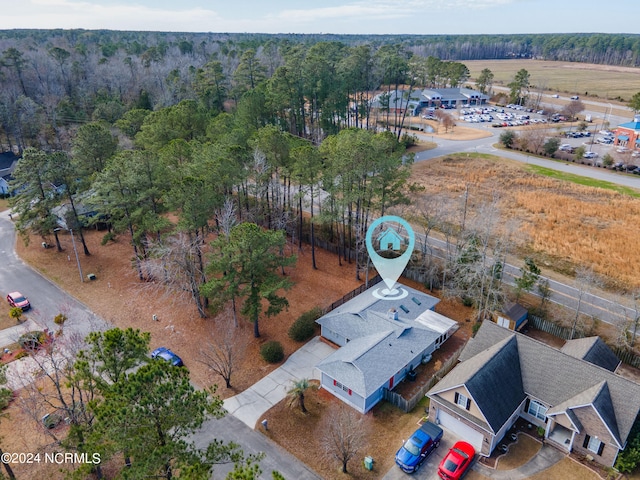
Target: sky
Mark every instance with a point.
(328, 16)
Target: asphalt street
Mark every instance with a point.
(48, 300)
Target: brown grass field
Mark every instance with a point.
(563, 225)
(603, 81)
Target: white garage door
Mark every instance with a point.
(464, 432)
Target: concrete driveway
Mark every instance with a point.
(251, 404)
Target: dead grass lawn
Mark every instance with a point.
(605, 81)
(519, 453)
(566, 469)
(563, 224)
(301, 435)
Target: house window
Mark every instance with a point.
(341, 386)
(593, 444)
(462, 401)
(537, 409)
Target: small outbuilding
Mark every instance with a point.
(513, 316)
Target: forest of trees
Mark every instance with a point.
(311, 85)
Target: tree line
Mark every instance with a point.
(53, 80)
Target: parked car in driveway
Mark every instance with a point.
(16, 299)
(415, 450)
(457, 461)
(167, 355)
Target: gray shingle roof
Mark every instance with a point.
(493, 379)
(594, 350)
(553, 377)
(366, 364)
(379, 346)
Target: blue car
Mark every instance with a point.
(415, 450)
(165, 354)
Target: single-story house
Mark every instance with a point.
(513, 316)
(628, 134)
(572, 394)
(430, 97)
(380, 340)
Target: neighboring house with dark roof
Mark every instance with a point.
(380, 340)
(572, 394)
(628, 134)
(8, 161)
(4, 184)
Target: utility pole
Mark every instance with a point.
(76, 252)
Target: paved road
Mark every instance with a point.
(47, 300)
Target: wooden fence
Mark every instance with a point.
(626, 356)
(406, 405)
(552, 328)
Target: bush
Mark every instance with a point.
(6, 396)
(305, 326)
(32, 340)
(109, 237)
(467, 301)
(272, 351)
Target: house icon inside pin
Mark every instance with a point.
(389, 240)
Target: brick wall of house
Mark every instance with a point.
(593, 426)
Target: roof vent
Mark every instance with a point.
(393, 314)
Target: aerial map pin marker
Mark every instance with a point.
(391, 240)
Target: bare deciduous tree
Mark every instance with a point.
(628, 328)
(585, 281)
(344, 434)
(224, 349)
(533, 139)
(175, 266)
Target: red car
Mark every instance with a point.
(457, 461)
(16, 299)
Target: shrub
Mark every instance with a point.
(109, 237)
(20, 354)
(272, 351)
(60, 319)
(32, 340)
(305, 326)
(6, 396)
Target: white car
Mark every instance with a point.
(565, 147)
(622, 150)
(590, 155)
(555, 95)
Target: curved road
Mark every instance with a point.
(48, 299)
